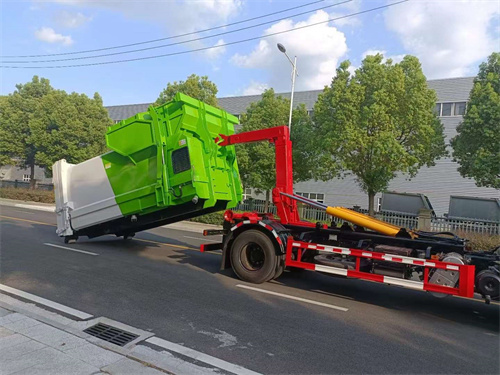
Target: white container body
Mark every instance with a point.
(83, 195)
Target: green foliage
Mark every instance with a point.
(377, 123)
(42, 196)
(480, 241)
(40, 125)
(477, 145)
(200, 88)
(256, 161)
(215, 218)
(305, 151)
(15, 113)
(68, 126)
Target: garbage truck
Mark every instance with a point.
(177, 161)
(259, 246)
(163, 166)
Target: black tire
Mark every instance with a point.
(488, 284)
(253, 257)
(128, 236)
(70, 239)
(280, 267)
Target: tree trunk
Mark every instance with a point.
(266, 205)
(371, 203)
(32, 176)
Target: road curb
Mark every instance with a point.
(47, 207)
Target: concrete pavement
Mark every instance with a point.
(28, 346)
(37, 341)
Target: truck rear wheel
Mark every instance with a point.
(280, 269)
(253, 257)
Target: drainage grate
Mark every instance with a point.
(111, 334)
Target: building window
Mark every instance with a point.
(247, 193)
(450, 109)
(318, 197)
(26, 178)
(446, 111)
(460, 109)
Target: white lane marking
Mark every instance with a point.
(37, 208)
(202, 239)
(293, 297)
(231, 367)
(69, 248)
(45, 302)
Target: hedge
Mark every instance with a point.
(42, 196)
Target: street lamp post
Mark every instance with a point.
(282, 49)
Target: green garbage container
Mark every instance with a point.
(164, 166)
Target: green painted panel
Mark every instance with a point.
(167, 156)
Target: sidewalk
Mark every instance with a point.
(28, 346)
(38, 341)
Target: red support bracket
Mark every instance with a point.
(280, 137)
(466, 272)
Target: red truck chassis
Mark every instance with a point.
(258, 247)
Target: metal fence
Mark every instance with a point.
(16, 184)
(444, 224)
(438, 224)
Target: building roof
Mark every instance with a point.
(452, 89)
(121, 112)
(447, 90)
(239, 104)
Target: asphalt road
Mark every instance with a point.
(159, 281)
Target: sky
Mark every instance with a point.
(451, 38)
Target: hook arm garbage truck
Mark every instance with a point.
(178, 160)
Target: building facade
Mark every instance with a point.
(438, 183)
(13, 173)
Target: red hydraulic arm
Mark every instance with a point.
(280, 137)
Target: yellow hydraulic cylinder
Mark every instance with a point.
(363, 220)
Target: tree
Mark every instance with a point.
(68, 126)
(377, 123)
(256, 161)
(476, 147)
(40, 125)
(200, 88)
(15, 132)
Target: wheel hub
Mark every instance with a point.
(253, 257)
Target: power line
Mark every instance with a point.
(171, 37)
(205, 48)
(176, 43)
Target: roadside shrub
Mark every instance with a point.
(42, 196)
(216, 218)
(480, 241)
